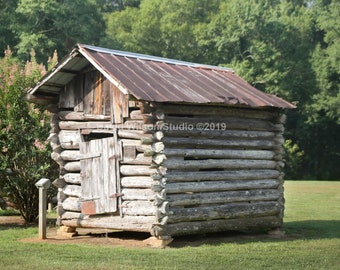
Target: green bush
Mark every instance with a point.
(293, 159)
(24, 127)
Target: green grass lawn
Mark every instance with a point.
(312, 224)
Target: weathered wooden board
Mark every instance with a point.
(81, 116)
(73, 166)
(99, 185)
(131, 134)
(72, 204)
(137, 143)
(222, 197)
(106, 104)
(184, 228)
(140, 159)
(138, 208)
(69, 139)
(223, 211)
(72, 190)
(232, 164)
(245, 174)
(119, 105)
(219, 133)
(213, 186)
(67, 95)
(137, 182)
(71, 155)
(216, 122)
(136, 115)
(97, 90)
(137, 194)
(219, 153)
(71, 215)
(76, 125)
(72, 178)
(136, 170)
(126, 223)
(174, 109)
(213, 143)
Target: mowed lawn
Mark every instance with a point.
(312, 225)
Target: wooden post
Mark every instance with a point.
(43, 184)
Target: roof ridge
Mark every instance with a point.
(153, 58)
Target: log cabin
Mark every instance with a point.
(162, 146)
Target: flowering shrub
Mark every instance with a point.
(24, 127)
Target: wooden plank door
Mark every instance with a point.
(98, 170)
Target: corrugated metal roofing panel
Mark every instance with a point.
(157, 79)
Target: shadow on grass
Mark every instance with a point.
(313, 229)
(297, 230)
(309, 229)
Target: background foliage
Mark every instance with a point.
(24, 151)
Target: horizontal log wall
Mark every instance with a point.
(217, 225)
(177, 176)
(218, 168)
(136, 202)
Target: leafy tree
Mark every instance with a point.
(7, 36)
(293, 159)
(164, 28)
(116, 5)
(261, 40)
(24, 151)
(48, 25)
(322, 115)
(326, 60)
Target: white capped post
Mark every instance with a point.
(43, 184)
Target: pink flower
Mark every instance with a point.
(6, 129)
(39, 145)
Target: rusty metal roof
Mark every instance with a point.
(157, 79)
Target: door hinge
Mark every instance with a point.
(89, 199)
(116, 195)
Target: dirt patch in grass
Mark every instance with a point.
(94, 237)
(134, 239)
(9, 221)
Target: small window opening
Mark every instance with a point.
(96, 136)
